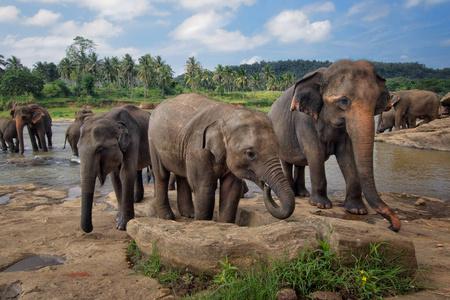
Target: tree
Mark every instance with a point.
(146, 71)
(228, 76)
(88, 82)
(218, 77)
(13, 63)
(241, 80)
(48, 71)
(165, 77)
(17, 82)
(79, 46)
(255, 81)
(93, 64)
(108, 71)
(116, 68)
(129, 71)
(193, 69)
(267, 74)
(66, 67)
(2, 63)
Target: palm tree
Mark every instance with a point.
(228, 76)
(146, 72)
(219, 77)
(241, 80)
(108, 71)
(289, 78)
(193, 68)
(206, 78)
(93, 65)
(2, 63)
(271, 84)
(267, 74)
(116, 69)
(13, 63)
(129, 70)
(165, 77)
(255, 81)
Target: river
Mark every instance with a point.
(397, 169)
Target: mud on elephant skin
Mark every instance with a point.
(204, 141)
(38, 122)
(114, 143)
(73, 131)
(8, 133)
(336, 117)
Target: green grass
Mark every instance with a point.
(371, 276)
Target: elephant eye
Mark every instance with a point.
(99, 150)
(250, 154)
(343, 103)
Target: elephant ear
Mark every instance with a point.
(395, 99)
(213, 140)
(383, 102)
(12, 112)
(124, 136)
(307, 96)
(36, 114)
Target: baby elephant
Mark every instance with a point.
(204, 141)
(73, 131)
(8, 134)
(115, 143)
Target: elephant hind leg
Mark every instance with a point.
(184, 198)
(299, 179)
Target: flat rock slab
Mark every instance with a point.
(199, 245)
(434, 136)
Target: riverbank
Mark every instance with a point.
(39, 221)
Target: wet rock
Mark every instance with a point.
(434, 135)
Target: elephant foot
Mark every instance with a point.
(356, 207)
(189, 212)
(166, 214)
(122, 223)
(320, 201)
(302, 192)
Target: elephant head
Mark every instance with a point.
(246, 142)
(101, 146)
(25, 115)
(348, 94)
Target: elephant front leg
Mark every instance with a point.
(117, 184)
(184, 198)
(230, 194)
(318, 195)
(299, 182)
(126, 211)
(139, 188)
(3, 144)
(353, 199)
(32, 139)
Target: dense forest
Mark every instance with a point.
(83, 77)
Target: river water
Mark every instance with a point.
(397, 169)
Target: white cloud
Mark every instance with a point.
(370, 10)
(252, 60)
(43, 18)
(206, 29)
(322, 7)
(205, 5)
(293, 25)
(404, 57)
(9, 14)
(412, 3)
(96, 29)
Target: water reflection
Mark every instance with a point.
(397, 169)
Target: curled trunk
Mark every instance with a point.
(273, 178)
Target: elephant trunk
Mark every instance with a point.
(87, 198)
(360, 128)
(273, 178)
(19, 127)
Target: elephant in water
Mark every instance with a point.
(114, 143)
(204, 141)
(73, 131)
(415, 103)
(8, 133)
(336, 108)
(38, 122)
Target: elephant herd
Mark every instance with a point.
(204, 144)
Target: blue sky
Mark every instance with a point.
(230, 32)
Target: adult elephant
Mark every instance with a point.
(415, 103)
(204, 141)
(336, 116)
(8, 134)
(386, 121)
(38, 122)
(115, 143)
(73, 131)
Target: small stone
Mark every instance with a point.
(325, 295)
(439, 245)
(420, 202)
(286, 294)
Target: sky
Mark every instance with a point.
(230, 32)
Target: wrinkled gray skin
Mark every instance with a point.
(337, 107)
(8, 134)
(204, 141)
(386, 121)
(115, 143)
(38, 122)
(415, 103)
(73, 131)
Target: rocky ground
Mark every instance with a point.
(434, 135)
(38, 221)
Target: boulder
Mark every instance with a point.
(434, 136)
